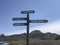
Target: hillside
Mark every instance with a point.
(36, 34)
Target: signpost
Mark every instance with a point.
(28, 21)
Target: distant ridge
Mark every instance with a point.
(36, 34)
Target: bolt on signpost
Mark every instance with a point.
(28, 21)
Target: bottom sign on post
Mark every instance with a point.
(20, 24)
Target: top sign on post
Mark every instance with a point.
(29, 11)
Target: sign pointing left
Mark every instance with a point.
(20, 24)
(18, 19)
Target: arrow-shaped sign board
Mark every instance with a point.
(29, 11)
(18, 19)
(38, 21)
(20, 24)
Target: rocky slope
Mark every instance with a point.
(36, 34)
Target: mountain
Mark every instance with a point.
(36, 34)
(42, 36)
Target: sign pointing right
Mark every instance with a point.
(38, 21)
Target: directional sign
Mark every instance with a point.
(38, 21)
(27, 23)
(29, 11)
(20, 24)
(18, 19)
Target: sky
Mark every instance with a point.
(44, 9)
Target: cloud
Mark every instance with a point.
(53, 27)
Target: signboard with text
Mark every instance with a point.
(18, 19)
(38, 21)
(19, 24)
